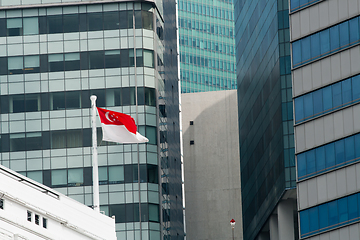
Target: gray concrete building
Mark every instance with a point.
(325, 37)
(211, 165)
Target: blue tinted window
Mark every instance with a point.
(327, 98)
(299, 4)
(314, 219)
(299, 109)
(301, 164)
(320, 159)
(329, 215)
(354, 30)
(343, 210)
(330, 155)
(315, 46)
(308, 105)
(334, 38)
(340, 152)
(323, 216)
(356, 87)
(344, 34)
(310, 161)
(296, 48)
(304, 222)
(357, 145)
(346, 91)
(318, 101)
(336, 94)
(305, 49)
(333, 213)
(349, 148)
(353, 207)
(325, 41)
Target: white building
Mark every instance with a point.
(29, 210)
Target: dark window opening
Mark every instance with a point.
(44, 223)
(37, 219)
(29, 214)
(192, 142)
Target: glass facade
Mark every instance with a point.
(52, 59)
(324, 155)
(263, 68)
(206, 38)
(330, 215)
(326, 42)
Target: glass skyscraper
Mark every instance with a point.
(206, 38)
(325, 37)
(53, 56)
(267, 160)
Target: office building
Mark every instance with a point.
(268, 177)
(54, 55)
(211, 165)
(30, 210)
(206, 38)
(326, 89)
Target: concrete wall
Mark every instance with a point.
(211, 165)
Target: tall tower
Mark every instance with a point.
(265, 106)
(54, 55)
(325, 38)
(206, 38)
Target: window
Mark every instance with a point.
(54, 24)
(36, 176)
(112, 59)
(44, 223)
(37, 219)
(59, 177)
(328, 41)
(75, 177)
(148, 58)
(1, 203)
(116, 174)
(327, 99)
(15, 65)
(72, 61)
(96, 60)
(328, 157)
(31, 64)
(111, 20)
(29, 216)
(95, 21)
(14, 27)
(154, 213)
(71, 23)
(31, 26)
(56, 62)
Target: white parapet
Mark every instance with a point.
(30, 210)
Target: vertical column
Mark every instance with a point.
(274, 230)
(286, 220)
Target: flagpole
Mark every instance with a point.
(95, 156)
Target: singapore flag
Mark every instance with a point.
(119, 127)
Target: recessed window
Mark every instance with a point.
(29, 214)
(37, 219)
(192, 142)
(44, 223)
(1, 203)
(191, 122)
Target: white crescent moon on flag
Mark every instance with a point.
(107, 117)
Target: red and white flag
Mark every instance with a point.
(119, 127)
